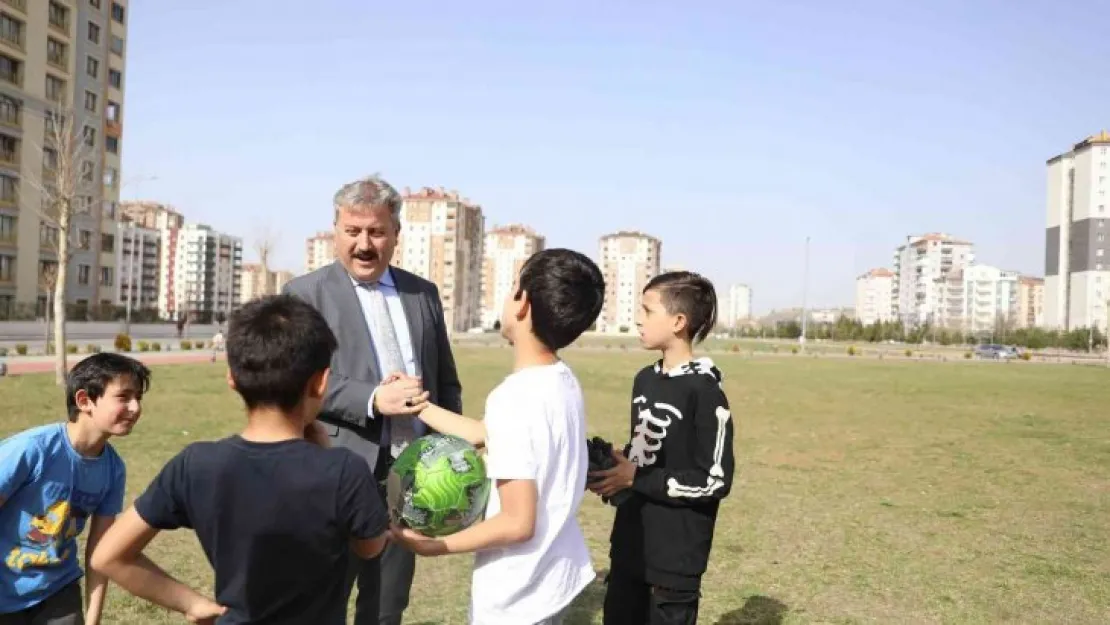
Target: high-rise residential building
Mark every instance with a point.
(505, 250)
(441, 240)
(65, 58)
(628, 261)
(138, 260)
(977, 299)
(153, 215)
(1076, 266)
(737, 306)
(1030, 304)
(874, 290)
(206, 270)
(919, 267)
(255, 282)
(319, 251)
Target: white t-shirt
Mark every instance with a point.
(536, 430)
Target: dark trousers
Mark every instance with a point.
(383, 584)
(631, 601)
(65, 607)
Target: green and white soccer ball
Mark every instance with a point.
(437, 485)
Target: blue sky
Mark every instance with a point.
(731, 130)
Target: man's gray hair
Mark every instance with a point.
(368, 192)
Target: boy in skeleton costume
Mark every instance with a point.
(678, 465)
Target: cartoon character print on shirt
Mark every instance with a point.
(47, 538)
(648, 435)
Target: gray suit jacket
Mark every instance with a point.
(354, 366)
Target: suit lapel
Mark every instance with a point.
(352, 318)
(411, 301)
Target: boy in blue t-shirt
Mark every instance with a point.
(53, 480)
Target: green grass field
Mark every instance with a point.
(867, 491)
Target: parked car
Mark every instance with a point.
(996, 352)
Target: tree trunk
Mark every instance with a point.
(49, 310)
(60, 368)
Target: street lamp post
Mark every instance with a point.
(805, 303)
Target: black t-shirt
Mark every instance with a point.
(274, 519)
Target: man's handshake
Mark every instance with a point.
(400, 394)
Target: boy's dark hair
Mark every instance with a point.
(565, 292)
(275, 345)
(95, 373)
(691, 295)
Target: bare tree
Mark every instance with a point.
(66, 187)
(264, 243)
(48, 280)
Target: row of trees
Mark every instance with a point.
(846, 329)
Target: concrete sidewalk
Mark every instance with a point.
(23, 365)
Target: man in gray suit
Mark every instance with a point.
(388, 321)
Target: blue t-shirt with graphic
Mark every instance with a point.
(49, 491)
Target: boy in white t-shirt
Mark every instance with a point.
(532, 559)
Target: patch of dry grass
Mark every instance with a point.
(867, 491)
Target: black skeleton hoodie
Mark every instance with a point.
(682, 445)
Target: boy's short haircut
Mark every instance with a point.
(691, 295)
(565, 292)
(95, 373)
(275, 345)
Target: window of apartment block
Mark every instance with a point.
(118, 13)
(107, 243)
(55, 89)
(92, 67)
(106, 276)
(11, 30)
(11, 70)
(9, 149)
(7, 268)
(56, 52)
(90, 101)
(115, 78)
(9, 188)
(83, 274)
(7, 228)
(94, 33)
(110, 175)
(84, 239)
(117, 45)
(90, 135)
(95, 4)
(87, 169)
(10, 109)
(112, 111)
(48, 235)
(111, 144)
(58, 16)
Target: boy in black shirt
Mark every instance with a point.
(679, 463)
(277, 515)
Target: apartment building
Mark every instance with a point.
(920, 265)
(138, 260)
(319, 251)
(628, 261)
(1077, 267)
(442, 235)
(206, 270)
(737, 307)
(153, 215)
(67, 58)
(504, 252)
(1030, 304)
(874, 296)
(255, 282)
(977, 299)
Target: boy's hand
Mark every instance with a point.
(400, 394)
(204, 612)
(416, 542)
(615, 479)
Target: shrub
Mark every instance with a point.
(967, 355)
(186, 346)
(144, 346)
(122, 343)
(92, 349)
(793, 350)
(71, 348)
(735, 348)
(198, 344)
(852, 350)
(909, 353)
(156, 346)
(21, 349)
(1025, 356)
(3, 352)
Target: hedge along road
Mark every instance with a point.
(45, 364)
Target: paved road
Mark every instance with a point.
(33, 333)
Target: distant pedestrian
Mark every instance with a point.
(217, 343)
